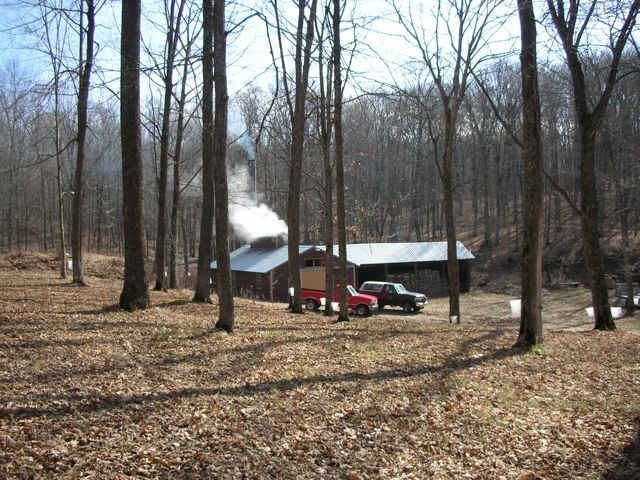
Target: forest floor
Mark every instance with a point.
(89, 391)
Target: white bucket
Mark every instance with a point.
(616, 312)
(515, 308)
(335, 306)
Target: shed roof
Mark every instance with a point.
(263, 260)
(259, 260)
(383, 253)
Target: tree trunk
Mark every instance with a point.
(416, 188)
(343, 316)
(61, 227)
(589, 223)
(83, 102)
(325, 143)
(302, 65)
(185, 247)
(588, 122)
(203, 288)
(44, 210)
(453, 270)
(627, 251)
(135, 292)
(173, 227)
(177, 158)
(161, 232)
(531, 308)
(225, 292)
(486, 203)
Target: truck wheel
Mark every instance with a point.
(407, 307)
(362, 311)
(311, 305)
(380, 306)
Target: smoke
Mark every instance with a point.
(250, 218)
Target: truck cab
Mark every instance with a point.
(362, 304)
(394, 295)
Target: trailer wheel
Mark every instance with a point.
(362, 310)
(311, 305)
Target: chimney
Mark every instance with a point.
(269, 242)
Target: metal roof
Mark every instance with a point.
(382, 253)
(259, 260)
(263, 260)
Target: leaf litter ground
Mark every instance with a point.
(89, 391)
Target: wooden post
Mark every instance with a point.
(271, 286)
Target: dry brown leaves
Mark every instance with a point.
(90, 391)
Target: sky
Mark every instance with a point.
(379, 39)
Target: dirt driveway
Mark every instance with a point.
(563, 310)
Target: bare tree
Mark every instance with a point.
(225, 292)
(325, 116)
(178, 167)
(203, 282)
(466, 27)
(343, 316)
(54, 40)
(16, 103)
(531, 312)
(135, 292)
(174, 20)
(83, 106)
(571, 23)
(297, 113)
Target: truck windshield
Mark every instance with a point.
(351, 290)
(400, 288)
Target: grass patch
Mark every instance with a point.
(540, 350)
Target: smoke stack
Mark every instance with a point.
(275, 241)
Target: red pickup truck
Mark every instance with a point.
(360, 303)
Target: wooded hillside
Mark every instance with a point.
(393, 141)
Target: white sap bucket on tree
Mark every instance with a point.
(515, 307)
(335, 306)
(616, 312)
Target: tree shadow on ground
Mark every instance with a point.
(97, 311)
(388, 312)
(628, 468)
(173, 303)
(57, 343)
(22, 286)
(86, 404)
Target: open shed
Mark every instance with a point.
(261, 270)
(420, 266)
